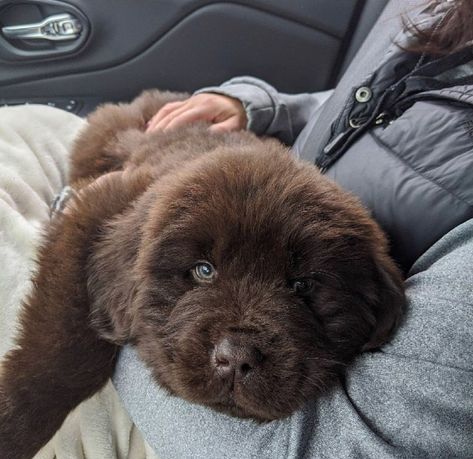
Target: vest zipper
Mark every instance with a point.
(336, 147)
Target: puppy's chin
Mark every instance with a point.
(233, 409)
(234, 399)
(238, 401)
(238, 404)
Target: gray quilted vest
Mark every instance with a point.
(401, 139)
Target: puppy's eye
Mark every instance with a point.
(204, 272)
(302, 286)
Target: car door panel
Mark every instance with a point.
(185, 44)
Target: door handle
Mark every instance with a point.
(59, 27)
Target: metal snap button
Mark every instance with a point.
(354, 123)
(363, 94)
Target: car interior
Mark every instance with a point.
(76, 54)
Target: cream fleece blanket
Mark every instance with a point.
(34, 146)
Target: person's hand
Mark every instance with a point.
(223, 112)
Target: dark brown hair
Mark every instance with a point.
(452, 32)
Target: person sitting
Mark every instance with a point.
(397, 133)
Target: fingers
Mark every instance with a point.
(231, 124)
(185, 117)
(181, 117)
(162, 114)
(225, 113)
(178, 115)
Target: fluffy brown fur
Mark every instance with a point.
(302, 280)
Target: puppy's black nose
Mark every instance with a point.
(236, 357)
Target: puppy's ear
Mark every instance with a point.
(112, 284)
(388, 303)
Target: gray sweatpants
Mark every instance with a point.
(412, 399)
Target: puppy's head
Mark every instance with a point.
(253, 282)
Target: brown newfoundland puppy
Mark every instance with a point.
(246, 280)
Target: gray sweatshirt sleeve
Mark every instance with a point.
(270, 112)
(412, 399)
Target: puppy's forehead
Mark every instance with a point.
(259, 205)
(240, 195)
